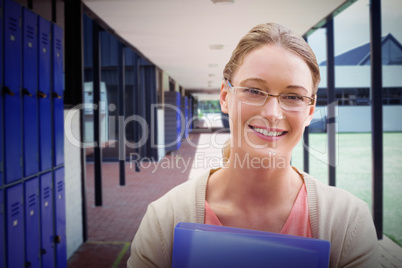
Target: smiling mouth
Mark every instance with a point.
(267, 133)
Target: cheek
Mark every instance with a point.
(297, 122)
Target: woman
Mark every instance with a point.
(269, 91)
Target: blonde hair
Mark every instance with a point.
(271, 34)
(274, 34)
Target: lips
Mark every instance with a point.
(269, 132)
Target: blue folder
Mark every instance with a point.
(201, 245)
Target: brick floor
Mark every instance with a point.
(111, 227)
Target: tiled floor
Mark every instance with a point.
(111, 227)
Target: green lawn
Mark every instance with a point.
(353, 171)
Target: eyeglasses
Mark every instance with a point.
(257, 97)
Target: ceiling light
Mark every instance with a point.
(216, 47)
(213, 65)
(223, 1)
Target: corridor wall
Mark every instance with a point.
(32, 199)
(173, 121)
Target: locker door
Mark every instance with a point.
(184, 111)
(12, 84)
(32, 241)
(29, 90)
(178, 120)
(46, 200)
(60, 210)
(1, 99)
(58, 122)
(45, 138)
(2, 264)
(15, 226)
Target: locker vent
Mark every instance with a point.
(46, 192)
(30, 32)
(45, 39)
(32, 200)
(12, 24)
(15, 209)
(60, 186)
(58, 44)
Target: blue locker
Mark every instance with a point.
(45, 132)
(184, 110)
(1, 99)
(46, 203)
(2, 264)
(15, 226)
(11, 91)
(32, 240)
(29, 91)
(178, 119)
(60, 210)
(58, 104)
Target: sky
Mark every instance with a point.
(352, 27)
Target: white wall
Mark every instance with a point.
(73, 183)
(358, 118)
(359, 76)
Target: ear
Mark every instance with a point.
(311, 110)
(223, 98)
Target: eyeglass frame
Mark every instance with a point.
(312, 99)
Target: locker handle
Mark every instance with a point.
(56, 96)
(26, 92)
(28, 264)
(57, 239)
(8, 91)
(41, 94)
(43, 251)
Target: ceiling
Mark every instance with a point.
(178, 35)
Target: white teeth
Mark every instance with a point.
(266, 133)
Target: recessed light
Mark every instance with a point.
(216, 47)
(222, 1)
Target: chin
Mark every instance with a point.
(266, 158)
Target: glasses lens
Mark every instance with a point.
(293, 102)
(250, 96)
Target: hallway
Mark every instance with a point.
(111, 227)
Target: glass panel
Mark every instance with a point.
(88, 87)
(352, 82)
(110, 95)
(392, 109)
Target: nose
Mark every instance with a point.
(272, 109)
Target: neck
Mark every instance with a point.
(254, 184)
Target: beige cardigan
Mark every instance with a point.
(335, 215)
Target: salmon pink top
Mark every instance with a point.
(298, 222)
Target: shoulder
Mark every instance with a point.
(183, 199)
(152, 244)
(343, 219)
(332, 206)
(330, 195)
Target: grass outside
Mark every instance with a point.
(354, 171)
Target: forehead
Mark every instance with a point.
(277, 66)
